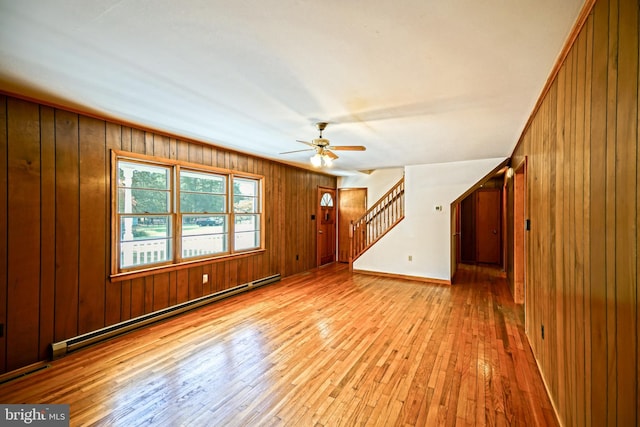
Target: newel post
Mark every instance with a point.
(351, 245)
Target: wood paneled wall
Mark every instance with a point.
(582, 199)
(55, 227)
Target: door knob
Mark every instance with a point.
(320, 231)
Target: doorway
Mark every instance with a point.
(352, 204)
(326, 226)
(489, 226)
(481, 226)
(519, 193)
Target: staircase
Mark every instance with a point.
(377, 221)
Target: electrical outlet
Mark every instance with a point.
(205, 278)
(410, 257)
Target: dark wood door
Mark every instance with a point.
(326, 225)
(352, 204)
(488, 226)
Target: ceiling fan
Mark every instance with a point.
(323, 149)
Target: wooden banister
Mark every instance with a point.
(377, 221)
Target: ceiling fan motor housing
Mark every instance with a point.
(322, 142)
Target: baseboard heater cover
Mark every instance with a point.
(62, 348)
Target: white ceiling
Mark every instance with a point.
(415, 81)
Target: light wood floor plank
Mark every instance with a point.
(323, 348)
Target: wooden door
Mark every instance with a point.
(488, 226)
(352, 204)
(519, 235)
(326, 224)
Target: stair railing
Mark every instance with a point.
(377, 221)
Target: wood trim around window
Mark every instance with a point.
(118, 274)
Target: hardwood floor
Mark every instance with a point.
(323, 348)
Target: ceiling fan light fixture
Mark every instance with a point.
(316, 160)
(327, 160)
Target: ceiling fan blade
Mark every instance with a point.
(305, 142)
(297, 151)
(348, 147)
(331, 154)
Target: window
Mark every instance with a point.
(144, 194)
(203, 204)
(246, 208)
(326, 200)
(169, 212)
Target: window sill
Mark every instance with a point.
(118, 277)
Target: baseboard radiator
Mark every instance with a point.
(62, 348)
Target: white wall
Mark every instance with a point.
(377, 183)
(425, 234)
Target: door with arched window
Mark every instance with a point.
(326, 226)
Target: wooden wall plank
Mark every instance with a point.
(4, 245)
(626, 214)
(47, 228)
(637, 303)
(559, 248)
(113, 291)
(67, 225)
(148, 143)
(610, 219)
(93, 221)
(182, 150)
(566, 293)
(586, 220)
(23, 263)
(173, 288)
(555, 169)
(577, 229)
(126, 140)
(195, 153)
(125, 305)
(138, 143)
(148, 294)
(182, 286)
(138, 297)
(195, 283)
(598, 212)
(162, 146)
(160, 291)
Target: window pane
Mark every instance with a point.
(247, 232)
(203, 235)
(143, 201)
(197, 225)
(245, 204)
(245, 187)
(202, 182)
(326, 200)
(247, 240)
(138, 175)
(195, 246)
(143, 188)
(144, 240)
(202, 202)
